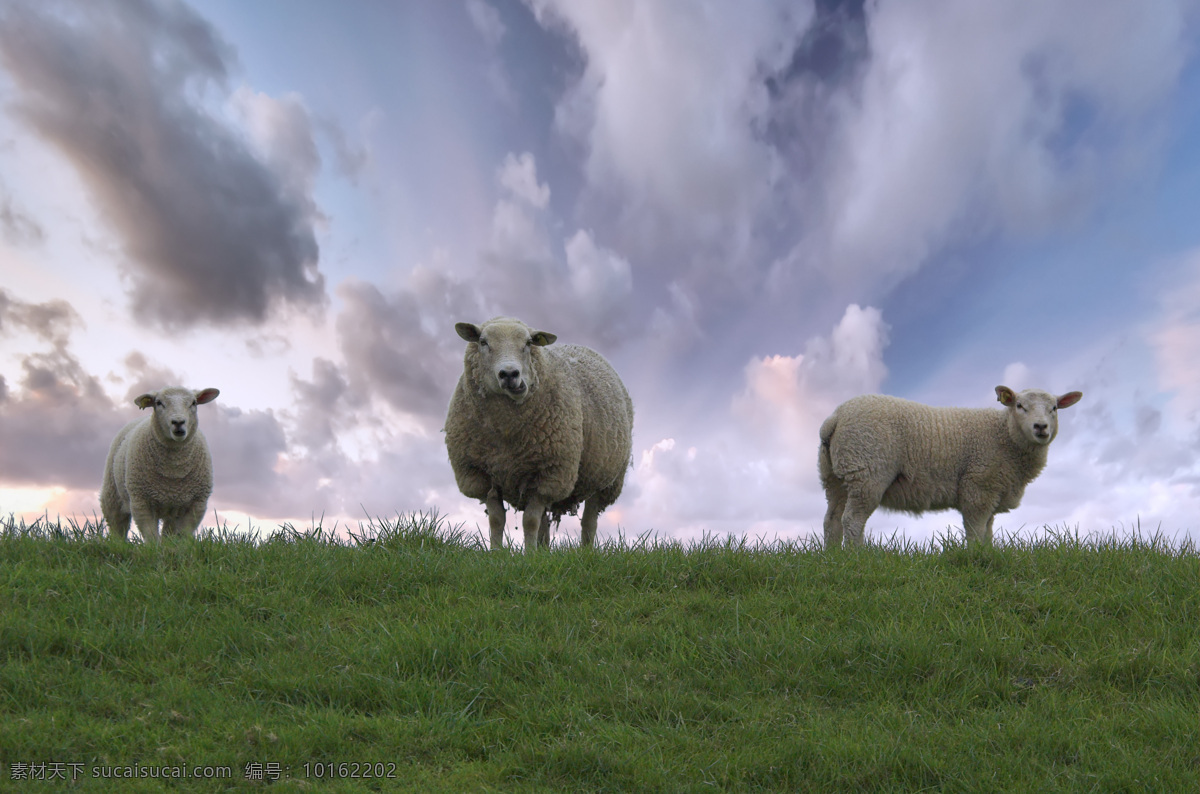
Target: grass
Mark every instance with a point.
(1059, 664)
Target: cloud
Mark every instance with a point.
(599, 278)
(282, 132)
(1117, 462)
(670, 97)
(215, 232)
(1175, 336)
(57, 425)
(58, 422)
(51, 321)
(573, 284)
(351, 159)
(518, 175)
(786, 398)
(759, 469)
(402, 347)
(795, 152)
(486, 20)
(18, 228)
(319, 402)
(928, 152)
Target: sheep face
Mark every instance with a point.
(174, 419)
(1034, 413)
(501, 351)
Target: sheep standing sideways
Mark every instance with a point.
(879, 451)
(543, 429)
(159, 468)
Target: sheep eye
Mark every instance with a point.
(483, 343)
(158, 403)
(1020, 407)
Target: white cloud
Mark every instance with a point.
(518, 175)
(788, 397)
(518, 236)
(554, 283)
(670, 99)
(972, 117)
(598, 276)
(759, 466)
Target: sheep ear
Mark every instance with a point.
(207, 395)
(467, 331)
(145, 400)
(542, 338)
(1005, 396)
(1069, 399)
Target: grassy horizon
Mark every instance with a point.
(1055, 664)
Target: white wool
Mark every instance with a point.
(879, 451)
(158, 468)
(541, 428)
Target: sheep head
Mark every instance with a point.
(174, 419)
(1034, 413)
(503, 354)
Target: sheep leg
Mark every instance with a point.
(531, 522)
(146, 521)
(588, 523)
(118, 524)
(495, 514)
(190, 522)
(114, 511)
(861, 501)
(544, 529)
(835, 494)
(977, 521)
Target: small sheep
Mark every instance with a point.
(159, 468)
(542, 429)
(879, 451)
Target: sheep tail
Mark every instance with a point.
(827, 428)
(824, 461)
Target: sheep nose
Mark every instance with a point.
(1039, 427)
(179, 426)
(509, 376)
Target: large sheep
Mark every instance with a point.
(543, 429)
(159, 468)
(879, 451)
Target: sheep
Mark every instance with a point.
(159, 468)
(879, 451)
(543, 429)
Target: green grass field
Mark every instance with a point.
(411, 652)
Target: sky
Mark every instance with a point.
(754, 210)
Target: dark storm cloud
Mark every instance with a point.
(318, 405)
(403, 347)
(213, 233)
(51, 321)
(57, 428)
(245, 447)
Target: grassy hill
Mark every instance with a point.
(410, 652)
